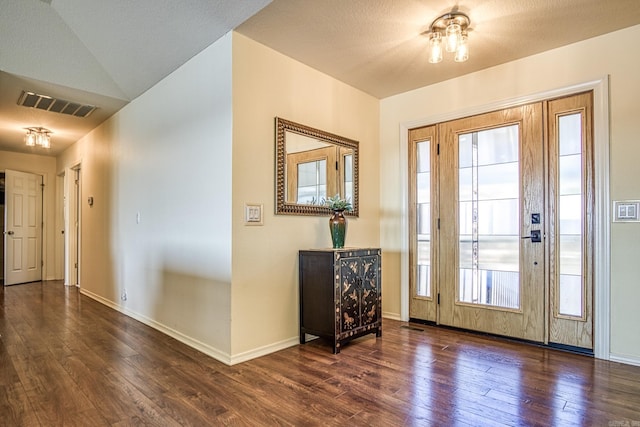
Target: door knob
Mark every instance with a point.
(536, 236)
(10, 232)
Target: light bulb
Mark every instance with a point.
(462, 52)
(435, 48)
(46, 140)
(30, 139)
(453, 36)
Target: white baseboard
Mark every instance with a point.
(392, 316)
(628, 360)
(185, 339)
(263, 351)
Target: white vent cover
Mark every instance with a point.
(55, 105)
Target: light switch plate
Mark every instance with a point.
(626, 211)
(253, 214)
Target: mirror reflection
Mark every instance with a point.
(313, 165)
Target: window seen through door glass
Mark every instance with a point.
(570, 213)
(348, 177)
(423, 226)
(489, 215)
(312, 182)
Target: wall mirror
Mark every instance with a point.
(312, 165)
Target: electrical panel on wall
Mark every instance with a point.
(626, 211)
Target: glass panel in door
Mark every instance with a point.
(488, 206)
(570, 290)
(312, 182)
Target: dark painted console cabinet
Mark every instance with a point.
(340, 296)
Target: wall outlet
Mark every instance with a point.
(123, 296)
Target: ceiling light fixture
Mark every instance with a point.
(450, 29)
(38, 136)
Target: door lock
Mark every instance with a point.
(536, 236)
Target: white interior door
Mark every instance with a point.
(23, 228)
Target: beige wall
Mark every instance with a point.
(614, 55)
(191, 267)
(45, 166)
(165, 159)
(188, 164)
(267, 84)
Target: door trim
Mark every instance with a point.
(602, 235)
(72, 239)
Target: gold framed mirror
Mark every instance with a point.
(313, 165)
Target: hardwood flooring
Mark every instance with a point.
(68, 360)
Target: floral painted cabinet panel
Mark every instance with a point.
(340, 295)
(359, 281)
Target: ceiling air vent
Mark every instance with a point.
(48, 103)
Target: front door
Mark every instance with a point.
(501, 222)
(23, 227)
(491, 182)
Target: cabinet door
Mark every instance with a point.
(349, 293)
(369, 289)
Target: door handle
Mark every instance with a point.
(9, 233)
(536, 236)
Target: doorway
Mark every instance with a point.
(71, 197)
(2, 183)
(500, 232)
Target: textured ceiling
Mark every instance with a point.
(107, 53)
(380, 47)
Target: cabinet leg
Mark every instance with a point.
(303, 338)
(379, 332)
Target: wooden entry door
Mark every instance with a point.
(501, 222)
(491, 245)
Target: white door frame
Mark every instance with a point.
(72, 214)
(58, 241)
(602, 235)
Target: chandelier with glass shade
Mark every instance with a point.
(38, 136)
(449, 32)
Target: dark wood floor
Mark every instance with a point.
(68, 360)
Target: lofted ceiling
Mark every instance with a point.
(106, 53)
(97, 52)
